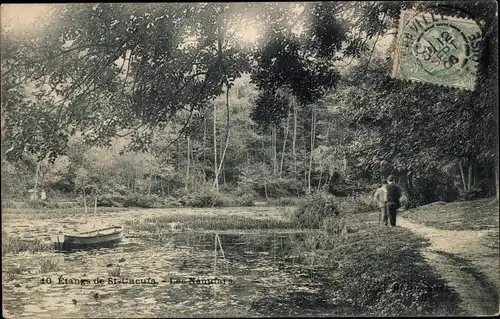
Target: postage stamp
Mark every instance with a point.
(437, 49)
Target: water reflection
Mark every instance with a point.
(267, 277)
(268, 274)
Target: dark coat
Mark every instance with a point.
(393, 194)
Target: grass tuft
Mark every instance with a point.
(115, 272)
(47, 265)
(15, 245)
(11, 276)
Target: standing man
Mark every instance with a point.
(393, 196)
(381, 198)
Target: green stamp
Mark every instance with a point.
(436, 49)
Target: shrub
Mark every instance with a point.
(242, 195)
(343, 190)
(279, 187)
(314, 209)
(204, 198)
(131, 200)
(245, 200)
(359, 204)
(172, 202)
(282, 187)
(432, 187)
(470, 194)
(68, 204)
(111, 200)
(36, 203)
(143, 201)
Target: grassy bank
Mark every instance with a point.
(380, 272)
(375, 271)
(469, 215)
(384, 273)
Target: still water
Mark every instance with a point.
(173, 275)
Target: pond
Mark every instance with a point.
(172, 274)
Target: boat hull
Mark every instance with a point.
(107, 237)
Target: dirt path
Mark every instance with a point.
(466, 262)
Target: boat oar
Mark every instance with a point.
(85, 204)
(95, 209)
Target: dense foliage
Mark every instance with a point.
(142, 102)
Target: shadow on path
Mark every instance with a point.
(479, 295)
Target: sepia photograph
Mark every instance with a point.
(250, 159)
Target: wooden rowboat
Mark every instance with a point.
(96, 238)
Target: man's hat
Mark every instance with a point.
(390, 178)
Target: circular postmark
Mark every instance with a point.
(439, 49)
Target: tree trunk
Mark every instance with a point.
(216, 182)
(344, 162)
(37, 173)
(409, 189)
(178, 156)
(193, 170)
(469, 180)
(275, 158)
(264, 168)
(497, 186)
(85, 202)
(224, 173)
(133, 185)
(188, 161)
(265, 184)
(462, 175)
(313, 133)
(220, 38)
(294, 139)
(221, 142)
(497, 137)
(305, 161)
(284, 142)
(319, 181)
(474, 174)
(204, 139)
(227, 138)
